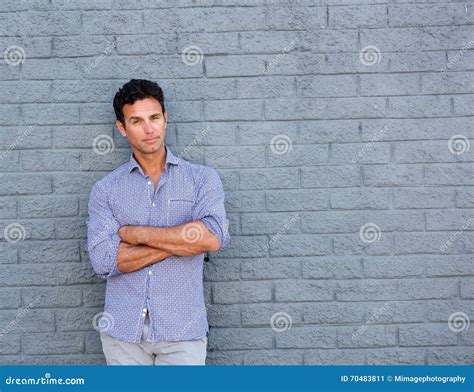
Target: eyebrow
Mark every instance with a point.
(139, 118)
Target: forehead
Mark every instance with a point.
(142, 108)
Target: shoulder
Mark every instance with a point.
(199, 173)
(109, 181)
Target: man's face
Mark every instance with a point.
(145, 125)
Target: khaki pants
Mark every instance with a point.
(185, 352)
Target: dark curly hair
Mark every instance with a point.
(135, 90)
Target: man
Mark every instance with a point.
(150, 223)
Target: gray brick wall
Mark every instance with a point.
(341, 131)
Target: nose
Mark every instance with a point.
(147, 128)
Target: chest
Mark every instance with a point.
(144, 201)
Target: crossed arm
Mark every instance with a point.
(142, 246)
(116, 249)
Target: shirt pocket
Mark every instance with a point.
(179, 211)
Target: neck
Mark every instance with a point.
(152, 164)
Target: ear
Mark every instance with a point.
(121, 128)
(165, 115)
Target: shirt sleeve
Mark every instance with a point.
(102, 238)
(209, 207)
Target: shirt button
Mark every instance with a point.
(149, 272)
(149, 182)
(153, 204)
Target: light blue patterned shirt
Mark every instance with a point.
(170, 291)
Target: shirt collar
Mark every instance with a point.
(170, 159)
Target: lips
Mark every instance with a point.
(150, 140)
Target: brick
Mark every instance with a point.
(269, 178)
(426, 335)
(331, 267)
(222, 270)
(297, 200)
(367, 336)
(53, 343)
(358, 15)
(51, 297)
(306, 337)
(402, 15)
(270, 223)
(48, 206)
(50, 160)
(50, 114)
(30, 184)
(275, 268)
(363, 198)
(305, 290)
(393, 175)
(238, 338)
(242, 292)
(428, 197)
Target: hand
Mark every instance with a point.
(126, 233)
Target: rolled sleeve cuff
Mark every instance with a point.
(114, 256)
(219, 229)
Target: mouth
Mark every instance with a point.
(151, 140)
